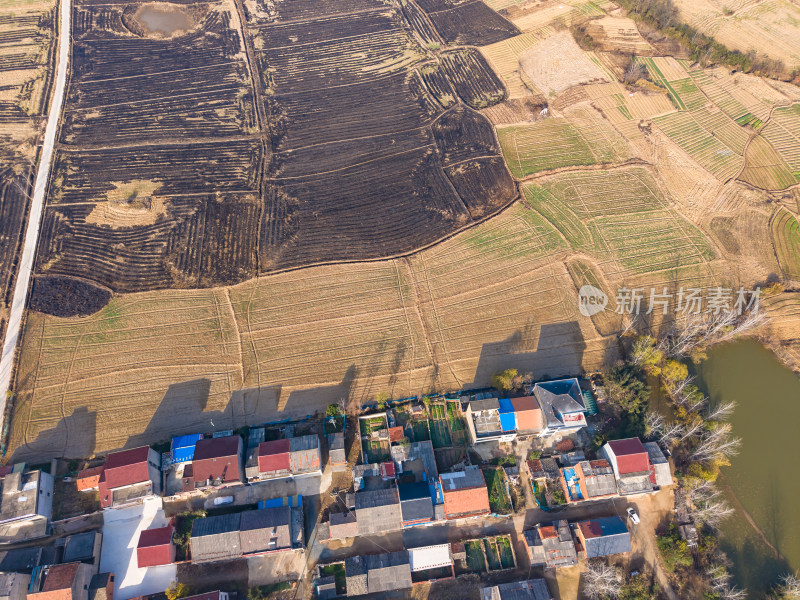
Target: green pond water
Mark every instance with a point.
(764, 479)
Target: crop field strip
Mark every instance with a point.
(636, 232)
(585, 139)
(786, 239)
(783, 132)
(467, 23)
(504, 58)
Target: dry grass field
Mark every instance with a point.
(767, 26)
(686, 178)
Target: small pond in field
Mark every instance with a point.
(762, 482)
(163, 19)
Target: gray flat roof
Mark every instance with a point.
(468, 478)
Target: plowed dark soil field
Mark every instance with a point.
(315, 132)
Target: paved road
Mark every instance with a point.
(37, 206)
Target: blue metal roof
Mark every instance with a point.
(505, 405)
(183, 447)
(508, 421)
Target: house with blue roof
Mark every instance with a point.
(602, 537)
(183, 447)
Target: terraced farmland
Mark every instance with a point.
(786, 238)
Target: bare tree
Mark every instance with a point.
(788, 588)
(712, 512)
(602, 581)
(721, 411)
(717, 444)
(699, 330)
(663, 431)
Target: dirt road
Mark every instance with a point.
(37, 207)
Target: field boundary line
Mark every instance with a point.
(31, 240)
(229, 304)
(408, 322)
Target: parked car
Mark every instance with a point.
(633, 516)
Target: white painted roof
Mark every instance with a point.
(430, 557)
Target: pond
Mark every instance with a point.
(166, 19)
(761, 539)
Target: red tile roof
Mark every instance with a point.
(89, 478)
(396, 434)
(217, 458)
(387, 469)
(126, 468)
(529, 413)
(547, 532)
(155, 547)
(631, 456)
(274, 456)
(590, 529)
(58, 583)
(466, 502)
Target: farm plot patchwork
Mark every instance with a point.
(164, 179)
(783, 132)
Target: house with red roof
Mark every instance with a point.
(631, 463)
(68, 581)
(155, 547)
(88, 480)
(293, 457)
(216, 462)
(130, 475)
(465, 494)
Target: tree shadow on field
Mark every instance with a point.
(551, 350)
(181, 411)
(306, 402)
(78, 432)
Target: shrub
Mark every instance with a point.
(504, 380)
(177, 590)
(674, 550)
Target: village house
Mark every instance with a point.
(293, 457)
(249, 533)
(88, 480)
(659, 465)
(431, 563)
(416, 503)
(631, 463)
(377, 573)
(25, 506)
(551, 545)
(101, 587)
(588, 480)
(415, 462)
(155, 547)
(130, 475)
(215, 462)
(562, 406)
(532, 589)
(182, 447)
(343, 525)
(337, 457)
(14, 586)
(465, 494)
(602, 537)
(83, 547)
(69, 581)
(378, 511)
